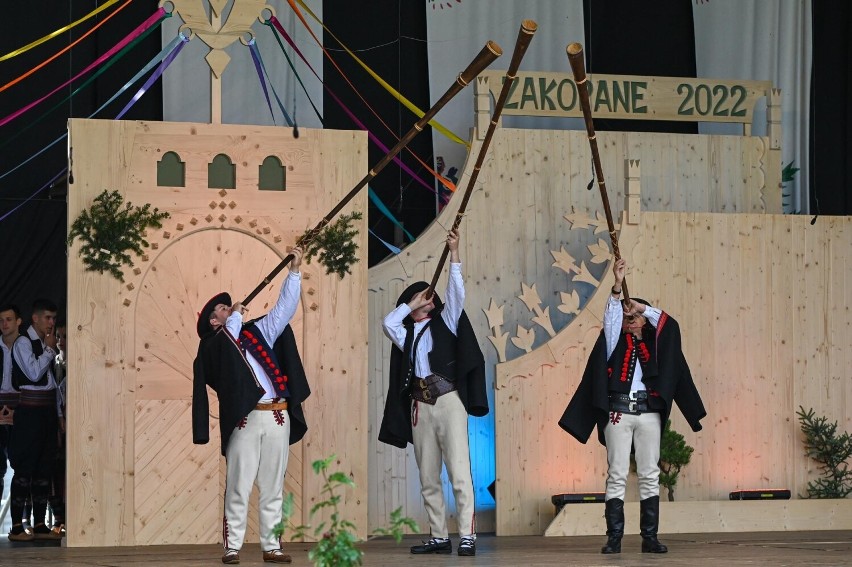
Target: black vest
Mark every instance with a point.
(628, 351)
(18, 377)
(442, 357)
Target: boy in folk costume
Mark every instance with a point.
(32, 449)
(634, 373)
(257, 374)
(437, 378)
(10, 323)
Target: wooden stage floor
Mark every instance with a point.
(776, 548)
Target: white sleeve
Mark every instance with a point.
(613, 316)
(454, 304)
(273, 323)
(393, 327)
(234, 324)
(652, 314)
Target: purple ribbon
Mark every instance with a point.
(348, 112)
(153, 19)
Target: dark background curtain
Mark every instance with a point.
(396, 50)
(33, 261)
(623, 37)
(831, 109)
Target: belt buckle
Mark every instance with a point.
(427, 395)
(631, 406)
(633, 395)
(422, 383)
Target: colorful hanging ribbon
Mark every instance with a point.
(388, 245)
(373, 138)
(261, 71)
(293, 68)
(65, 49)
(183, 40)
(58, 32)
(168, 53)
(393, 92)
(352, 86)
(86, 83)
(150, 65)
(386, 211)
(153, 19)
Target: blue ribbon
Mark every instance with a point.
(261, 71)
(168, 53)
(390, 246)
(181, 41)
(385, 211)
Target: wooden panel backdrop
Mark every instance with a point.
(534, 247)
(762, 304)
(134, 476)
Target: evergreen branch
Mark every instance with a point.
(108, 231)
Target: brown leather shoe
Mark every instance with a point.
(22, 535)
(276, 556)
(231, 557)
(42, 532)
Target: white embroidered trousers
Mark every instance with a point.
(643, 433)
(257, 451)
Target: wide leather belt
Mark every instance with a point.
(37, 398)
(634, 402)
(429, 389)
(282, 405)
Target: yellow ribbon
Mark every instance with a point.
(59, 31)
(393, 92)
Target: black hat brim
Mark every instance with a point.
(203, 326)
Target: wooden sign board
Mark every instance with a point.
(539, 93)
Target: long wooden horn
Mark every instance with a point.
(486, 56)
(578, 67)
(528, 28)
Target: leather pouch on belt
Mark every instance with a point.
(429, 389)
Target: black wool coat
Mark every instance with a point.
(222, 366)
(589, 407)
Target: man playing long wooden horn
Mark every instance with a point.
(257, 373)
(634, 373)
(437, 378)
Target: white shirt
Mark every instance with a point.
(270, 326)
(35, 367)
(453, 308)
(613, 317)
(6, 384)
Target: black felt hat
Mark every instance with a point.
(203, 326)
(413, 290)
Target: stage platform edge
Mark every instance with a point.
(713, 516)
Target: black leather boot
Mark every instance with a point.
(649, 522)
(614, 514)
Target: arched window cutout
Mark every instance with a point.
(221, 173)
(271, 175)
(171, 172)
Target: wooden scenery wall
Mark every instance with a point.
(134, 476)
(535, 251)
(761, 304)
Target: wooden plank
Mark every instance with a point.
(215, 240)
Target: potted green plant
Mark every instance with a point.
(674, 455)
(337, 544)
(831, 450)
